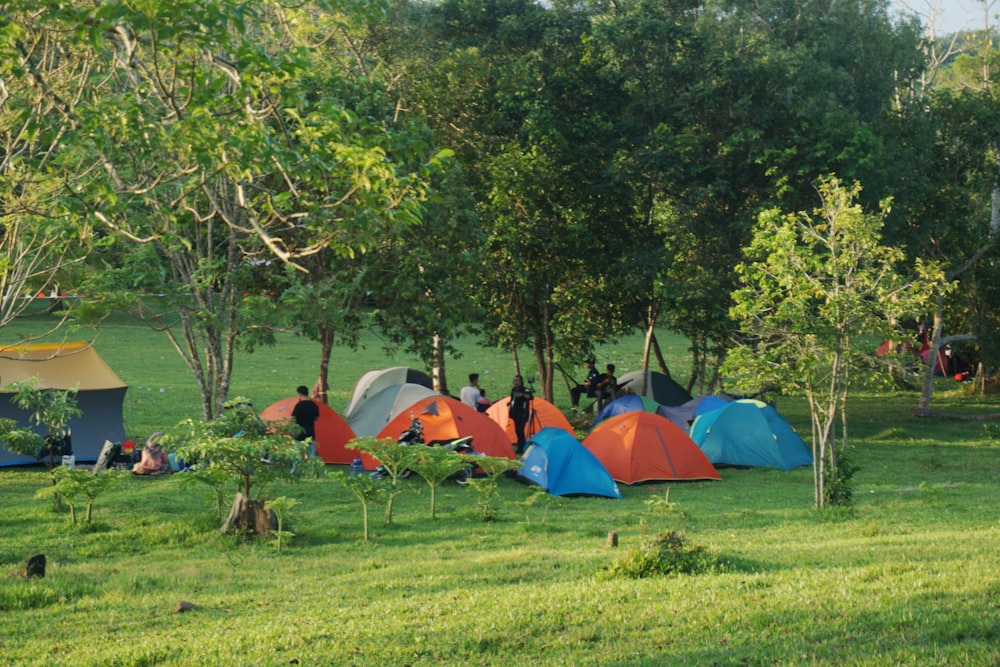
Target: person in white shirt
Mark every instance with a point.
(471, 394)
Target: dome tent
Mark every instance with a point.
(644, 446)
(556, 461)
(332, 432)
(749, 433)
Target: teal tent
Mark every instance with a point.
(556, 461)
(749, 433)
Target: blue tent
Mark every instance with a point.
(749, 433)
(556, 461)
(626, 403)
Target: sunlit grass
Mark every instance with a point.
(909, 576)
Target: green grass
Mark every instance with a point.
(909, 576)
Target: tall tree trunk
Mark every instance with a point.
(440, 377)
(322, 387)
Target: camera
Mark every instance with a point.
(530, 389)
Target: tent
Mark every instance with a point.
(556, 461)
(749, 433)
(626, 403)
(657, 386)
(332, 432)
(644, 446)
(373, 382)
(446, 418)
(685, 414)
(545, 414)
(371, 415)
(100, 393)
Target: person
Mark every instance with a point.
(606, 386)
(153, 460)
(471, 393)
(305, 413)
(589, 386)
(520, 410)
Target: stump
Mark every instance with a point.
(36, 567)
(249, 516)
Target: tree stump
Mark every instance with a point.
(249, 516)
(36, 567)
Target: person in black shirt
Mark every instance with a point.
(520, 410)
(589, 386)
(305, 413)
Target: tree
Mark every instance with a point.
(815, 288)
(200, 144)
(237, 445)
(41, 240)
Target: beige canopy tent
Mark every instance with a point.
(62, 366)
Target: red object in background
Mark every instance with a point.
(128, 446)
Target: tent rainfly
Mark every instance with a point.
(332, 432)
(64, 366)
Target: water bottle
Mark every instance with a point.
(357, 467)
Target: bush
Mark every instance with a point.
(664, 554)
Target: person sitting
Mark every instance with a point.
(588, 387)
(606, 387)
(153, 460)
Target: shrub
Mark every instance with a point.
(664, 554)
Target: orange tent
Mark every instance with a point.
(546, 414)
(446, 418)
(332, 432)
(645, 446)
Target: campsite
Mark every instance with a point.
(907, 576)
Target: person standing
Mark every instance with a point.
(471, 394)
(589, 386)
(520, 410)
(305, 413)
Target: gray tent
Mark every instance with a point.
(657, 386)
(62, 366)
(371, 416)
(373, 382)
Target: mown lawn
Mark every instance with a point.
(909, 576)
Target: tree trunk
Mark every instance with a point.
(932, 356)
(249, 517)
(322, 387)
(440, 376)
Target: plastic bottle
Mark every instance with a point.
(357, 467)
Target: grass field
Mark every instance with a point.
(909, 576)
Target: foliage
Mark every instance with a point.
(367, 490)
(812, 284)
(540, 497)
(237, 445)
(435, 465)
(19, 440)
(281, 506)
(51, 408)
(493, 467)
(664, 554)
(837, 486)
(73, 484)
(395, 460)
